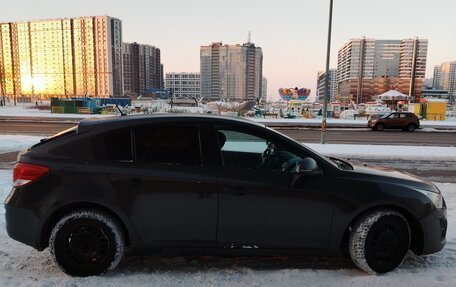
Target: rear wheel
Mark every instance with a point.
(86, 243)
(379, 241)
(411, 127)
(379, 127)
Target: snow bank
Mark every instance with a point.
(10, 143)
(386, 151)
(21, 265)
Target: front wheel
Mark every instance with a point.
(379, 127)
(86, 243)
(379, 241)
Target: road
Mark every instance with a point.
(441, 171)
(307, 135)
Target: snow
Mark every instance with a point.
(21, 265)
(10, 143)
(386, 151)
(23, 111)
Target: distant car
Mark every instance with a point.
(395, 120)
(211, 185)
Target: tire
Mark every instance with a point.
(86, 243)
(411, 127)
(379, 241)
(379, 127)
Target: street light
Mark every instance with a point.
(325, 102)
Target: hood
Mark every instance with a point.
(386, 172)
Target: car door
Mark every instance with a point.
(403, 120)
(264, 202)
(392, 121)
(164, 186)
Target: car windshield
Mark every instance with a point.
(385, 115)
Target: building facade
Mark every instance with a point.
(62, 57)
(264, 90)
(231, 72)
(321, 80)
(369, 67)
(184, 85)
(142, 68)
(445, 78)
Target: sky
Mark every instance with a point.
(291, 33)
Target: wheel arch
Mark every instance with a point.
(416, 243)
(66, 209)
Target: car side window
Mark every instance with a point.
(393, 116)
(168, 145)
(403, 116)
(247, 151)
(118, 146)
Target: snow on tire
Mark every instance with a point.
(379, 241)
(86, 243)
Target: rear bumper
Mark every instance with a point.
(434, 228)
(22, 225)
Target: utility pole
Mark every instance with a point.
(328, 52)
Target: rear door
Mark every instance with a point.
(165, 188)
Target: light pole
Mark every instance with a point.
(325, 102)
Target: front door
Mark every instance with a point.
(264, 202)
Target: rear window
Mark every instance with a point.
(118, 146)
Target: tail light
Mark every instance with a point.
(24, 173)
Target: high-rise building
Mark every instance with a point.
(184, 85)
(321, 80)
(445, 78)
(142, 68)
(231, 72)
(369, 67)
(264, 90)
(62, 57)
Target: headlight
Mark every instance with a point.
(436, 198)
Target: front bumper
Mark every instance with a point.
(434, 227)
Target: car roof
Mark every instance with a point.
(88, 124)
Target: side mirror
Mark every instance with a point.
(309, 167)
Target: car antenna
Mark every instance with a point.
(117, 106)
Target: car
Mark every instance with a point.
(206, 184)
(395, 120)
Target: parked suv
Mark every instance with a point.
(395, 120)
(211, 185)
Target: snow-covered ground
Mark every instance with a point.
(28, 111)
(21, 265)
(23, 111)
